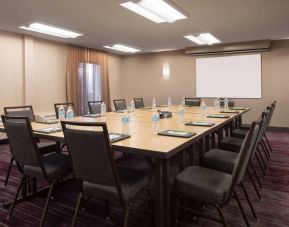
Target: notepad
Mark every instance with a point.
(114, 137)
(177, 133)
(218, 116)
(229, 111)
(91, 115)
(200, 123)
(238, 108)
(48, 130)
(48, 122)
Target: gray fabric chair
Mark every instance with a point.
(65, 106)
(94, 166)
(94, 107)
(119, 104)
(27, 111)
(51, 167)
(215, 187)
(20, 111)
(192, 101)
(139, 103)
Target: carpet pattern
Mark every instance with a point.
(273, 211)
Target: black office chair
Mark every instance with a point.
(192, 101)
(65, 106)
(27, 111)
(51, 167)
(119, 104)
(94, 166)
(139, 103)
(94, 107)
(214, 187)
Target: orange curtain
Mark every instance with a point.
(76, 55)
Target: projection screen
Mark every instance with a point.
(230, 76)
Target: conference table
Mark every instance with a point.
(157, 148)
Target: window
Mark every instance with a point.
(89, 89)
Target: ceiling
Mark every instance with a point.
(105, 22)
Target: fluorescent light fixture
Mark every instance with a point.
(158, 11)
(203, 38)
(122, 48)
(166, 71)
(51, 30)
(194, 39)
(208, 38)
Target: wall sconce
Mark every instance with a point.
(166, 71)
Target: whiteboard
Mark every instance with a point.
(230, 76)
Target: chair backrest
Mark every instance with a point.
(192, 101)
(139, 103)
(94, 107)
(245, 153)
(65, 106)
(22, 142)
(119, 104)
(20, 111)
(91, 153)
(231, 103)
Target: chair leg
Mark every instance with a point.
(262, 159)
(266, 151)
(241, 209)
(8, 171)
(126, 216)
(177, 208)
(80, 196)
(47, 203)
(255, 174)
(266, 139)
(219, 209)
(260, 165)
(249, 201)
(254, 185)
(15, 197)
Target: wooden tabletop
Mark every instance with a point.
(143, 141)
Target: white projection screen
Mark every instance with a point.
(230, 76)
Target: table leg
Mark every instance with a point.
(162, 205)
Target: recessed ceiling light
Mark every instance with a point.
(51, 30)
(158, 11)
(122, 48)
(203, 38)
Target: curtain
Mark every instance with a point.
(76, 56)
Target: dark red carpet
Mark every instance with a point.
(273, 211)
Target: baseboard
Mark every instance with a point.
(278, 129)
(3, 141)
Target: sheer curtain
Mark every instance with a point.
(89, 85)
(84, 65)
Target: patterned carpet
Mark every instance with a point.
(273, 211)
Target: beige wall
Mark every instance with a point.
(11, 70)
(114, 71)
(142, 77)
(32, 72)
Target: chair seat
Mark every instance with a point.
(231, 144)
(209, 185)
(245, 126)
(239, 133)
(47, 147)
(131, 182)
(56, 166)
(221, 160)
